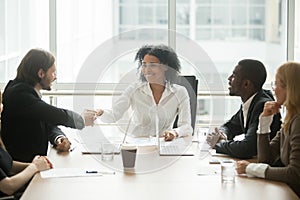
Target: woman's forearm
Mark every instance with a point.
(10, 185)
(18, 166)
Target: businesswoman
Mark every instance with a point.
(155, 98)
(15, 175)
(286, 144)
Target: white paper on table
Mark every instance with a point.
(209, 170)
(142, 141)
(66, 172)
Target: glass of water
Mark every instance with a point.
(107, 151)
(228, 171)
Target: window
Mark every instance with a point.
(20, 30)
(81, 28)
(297, 31)
(229, 31)
(225, 31)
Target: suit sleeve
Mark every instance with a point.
(233, 127)
(53, 133)
(32, 107)
(289, 174)
(247, 147)
(268, 152)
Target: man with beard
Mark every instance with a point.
(28, 123)
(246, 81)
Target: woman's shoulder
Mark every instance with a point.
(295, 123)
(178, 88)
(133, 87)
(296, 118)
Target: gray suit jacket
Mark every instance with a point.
(286, 146)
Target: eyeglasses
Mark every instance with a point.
(151, 65)
(275, 84)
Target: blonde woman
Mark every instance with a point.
(285, 146)
(15, 175)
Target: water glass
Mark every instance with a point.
(228, 171)
(107, 151)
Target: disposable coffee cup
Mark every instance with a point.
(128, 156)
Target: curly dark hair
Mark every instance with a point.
(166, 55)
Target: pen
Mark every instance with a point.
(72, 149)
(99, 172)
(91, 152)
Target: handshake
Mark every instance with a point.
(215, 137)
(90, 116)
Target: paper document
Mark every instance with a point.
(71, 172)
(209, 170)
(142, 141)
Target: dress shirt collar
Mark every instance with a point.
(145, 86)
(245, 108)
(246, 105)
(38, 93)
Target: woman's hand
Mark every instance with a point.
(99, 112)
(170, 135)
(271, 108)
(89, 117)
(241, 166)
(42, 163)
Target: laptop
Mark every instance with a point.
(176, 147)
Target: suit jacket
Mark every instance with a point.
(286, 146)
(28, 123)
(247, 148)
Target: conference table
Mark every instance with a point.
(154, 177)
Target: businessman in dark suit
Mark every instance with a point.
(28, 123)
(246, 81)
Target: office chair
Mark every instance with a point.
(191, 85)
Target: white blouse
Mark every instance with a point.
(174, 101)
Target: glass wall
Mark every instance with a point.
(81, 28)
(23, 25)
(228, 31)
(95, 43)
(297, 31)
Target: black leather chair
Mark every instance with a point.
(191, 84)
